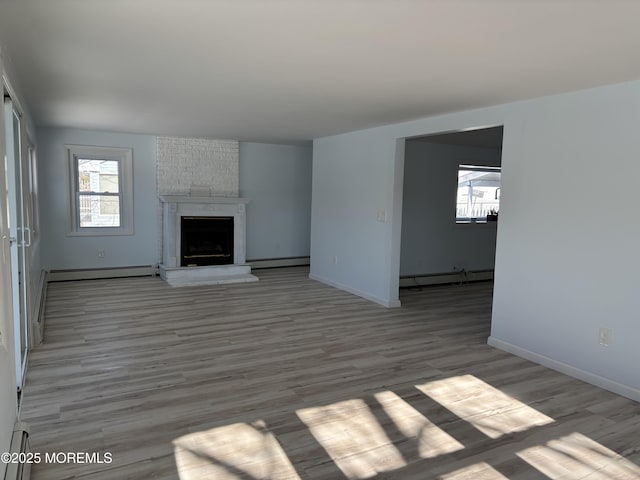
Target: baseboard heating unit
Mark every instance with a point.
(457, 276)
(102, 273)
(19, 445)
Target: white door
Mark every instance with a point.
(19, 237)
(8, 398)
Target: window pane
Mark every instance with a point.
(99, 211)
(108, 183)
(109, 206)
(98, 175)
(478, 193)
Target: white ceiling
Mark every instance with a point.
(293, 70)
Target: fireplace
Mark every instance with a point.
(206, 241)
(203, 240)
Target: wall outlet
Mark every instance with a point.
(604, 337)
(101, 253)
(334, 260)
(382, 216)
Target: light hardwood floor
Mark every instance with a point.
(287, 378)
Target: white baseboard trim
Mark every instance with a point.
(279, 262)
(592, 378)
(366, 296)
(98, 273)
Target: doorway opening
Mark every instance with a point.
(450, 207)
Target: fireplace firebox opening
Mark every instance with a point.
(206, 241)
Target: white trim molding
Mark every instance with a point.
(124, 157)
(570, 370)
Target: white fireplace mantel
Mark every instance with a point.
(201, 200)
(177, 206)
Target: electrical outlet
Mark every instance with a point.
(604, 337)
(101, 253)
(382, 216)
(335, 260)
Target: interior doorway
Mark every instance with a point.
(450, 207)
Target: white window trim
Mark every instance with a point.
(125, 158)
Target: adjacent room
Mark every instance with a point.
(330, 240)
(450, 207)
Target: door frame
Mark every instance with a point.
(19, 237)
(8, 397)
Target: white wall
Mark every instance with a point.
(277, 179)
(353, 181)
(567, 265)
(564, 267)
(60, 251)
(431, 240)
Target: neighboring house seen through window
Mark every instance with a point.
(101, 190)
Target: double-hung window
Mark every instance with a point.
(101, 193)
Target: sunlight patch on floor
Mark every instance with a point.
(232, 452)
(477, 471)
(352, 436)
(488, 409)
(357, 439)
(576, 456)
(432, 441)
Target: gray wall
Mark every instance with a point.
(565, 266)
(431, 240)
(277, 179)
(60, 251)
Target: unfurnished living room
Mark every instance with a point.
(319, 239)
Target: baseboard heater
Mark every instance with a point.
(100, 273)
(19, 445)
(458, 276)
(279, 262)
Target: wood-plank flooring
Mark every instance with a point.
(287, 378)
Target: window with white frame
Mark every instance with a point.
(101, 193)
(478, 194)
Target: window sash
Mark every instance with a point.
(118, 221)
(91, 193)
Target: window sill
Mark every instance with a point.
(477, 224)
(100, 232)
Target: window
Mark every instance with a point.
(478, 197)
(101, 193)
(33, 191)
